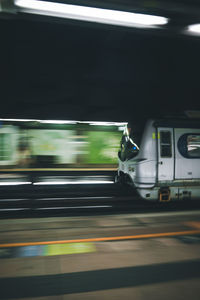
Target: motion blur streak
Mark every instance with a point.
(11, 200)
(75, 207)
(57, 122)
(14, 209)
(15, 183)
(71, 182)
(19, 120)
(99, 123)
(195, 28)
(72, 198)
(94, 123)
(91, 14)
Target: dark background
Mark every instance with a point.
(61, 69)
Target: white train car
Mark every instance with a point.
(165, 165)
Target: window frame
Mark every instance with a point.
(182, 145)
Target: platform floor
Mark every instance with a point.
(159, 257)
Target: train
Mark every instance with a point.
(161, 160)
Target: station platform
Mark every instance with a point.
(137, 256)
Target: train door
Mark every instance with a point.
(165, 154)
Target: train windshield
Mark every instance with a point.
(132, 148)
(129, 148)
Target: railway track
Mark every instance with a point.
(75, 195)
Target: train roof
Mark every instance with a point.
(177, 123)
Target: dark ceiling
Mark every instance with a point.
(58, 69)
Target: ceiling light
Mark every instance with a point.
(14, 182)
(195, 28)
(90, 14)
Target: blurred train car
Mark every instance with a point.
(162, 160)
(58, 144)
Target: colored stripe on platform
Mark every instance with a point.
(104, 239)
(47, 250)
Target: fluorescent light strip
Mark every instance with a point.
(67, 122)
(195, 29)
(12, 200)
(15, 183)
(107, 124)
(72, 198)
(13, 209)
(90, 14)
(19, 120)
(104, 123)
(41, 121)
(70, 182)
(73, 207)
(57, 122)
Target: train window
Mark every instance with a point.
(193, 145)
(165, 144)
(165, 137)
(189, 145)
